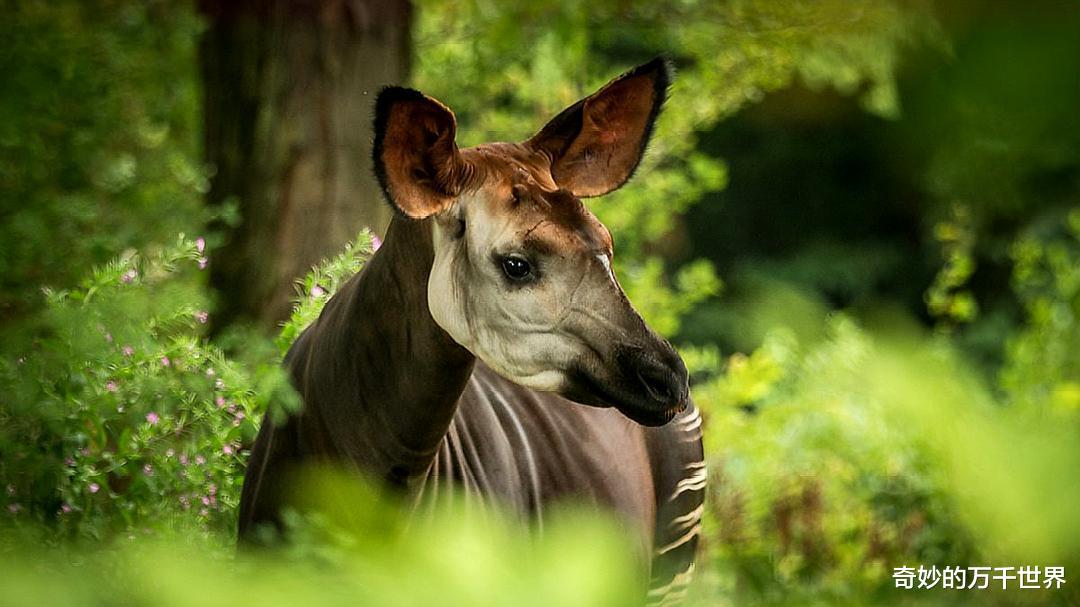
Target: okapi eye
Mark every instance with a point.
(516, 268)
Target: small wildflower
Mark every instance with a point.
(120, 408)
(202, 263)
(128, 276)
(220, 385)
(14, 508)
(69, 461)
(108, 337)
(205, 500)
(376, 242)
(212, 489)
(84, 451)
(238, 418)
(183, 460)
(11, 489)
(202, 316)
(231, 408)
(94, 487)
(210, 372)
(128, 350)
(220, 402)
(165, 362)
(110, 386)
(200, 460)
(185, 502)
(317, 292)
(65, 508)
(152, 418)
(200, 244)
(148, 470)
(204, 512)
(170, 452)
(227, 450)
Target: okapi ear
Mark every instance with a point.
(596, 144)
(417, 161)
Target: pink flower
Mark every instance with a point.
(93, 487)
(200, 244)
(227, 450)
(128, 350)
(200, 460)
(202, 263)
(110, 386)
(220, 402)
(165, 361)
(14, 508)
(152, 418)
(128, 276)
(148, 470)
(202, 316)
(69, 461)
(183, 460)
(65, 508)
(108, 337)
(212, 489)
(205, 500)
(239, 418)
(317, 292)
(376, 242)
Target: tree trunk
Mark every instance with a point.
(289, 89)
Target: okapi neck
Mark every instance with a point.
(381, 380)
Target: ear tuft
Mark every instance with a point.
(596, 144)
(416, 158)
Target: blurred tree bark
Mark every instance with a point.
(289, 88)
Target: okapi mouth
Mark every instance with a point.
(647, 392)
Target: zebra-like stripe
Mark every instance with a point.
(694, 482)
(674, 591)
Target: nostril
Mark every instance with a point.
(664, 381)
(656, 382)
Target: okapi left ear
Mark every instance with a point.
(417, 161)
(596, 144)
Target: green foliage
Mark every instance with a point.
(120, 412)
(315, 289)
(358, 553)
(98, 137)
(1042, 367)
(947, 299)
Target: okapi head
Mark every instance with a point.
(522, 270)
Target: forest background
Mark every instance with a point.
(859, 221)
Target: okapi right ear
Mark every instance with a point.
(595, 144)
(417, 161)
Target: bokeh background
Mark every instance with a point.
(859, 221)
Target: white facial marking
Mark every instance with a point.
(606, 262)
(513, 330)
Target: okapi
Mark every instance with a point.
(463, 353)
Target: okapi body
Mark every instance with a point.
(488, 347)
